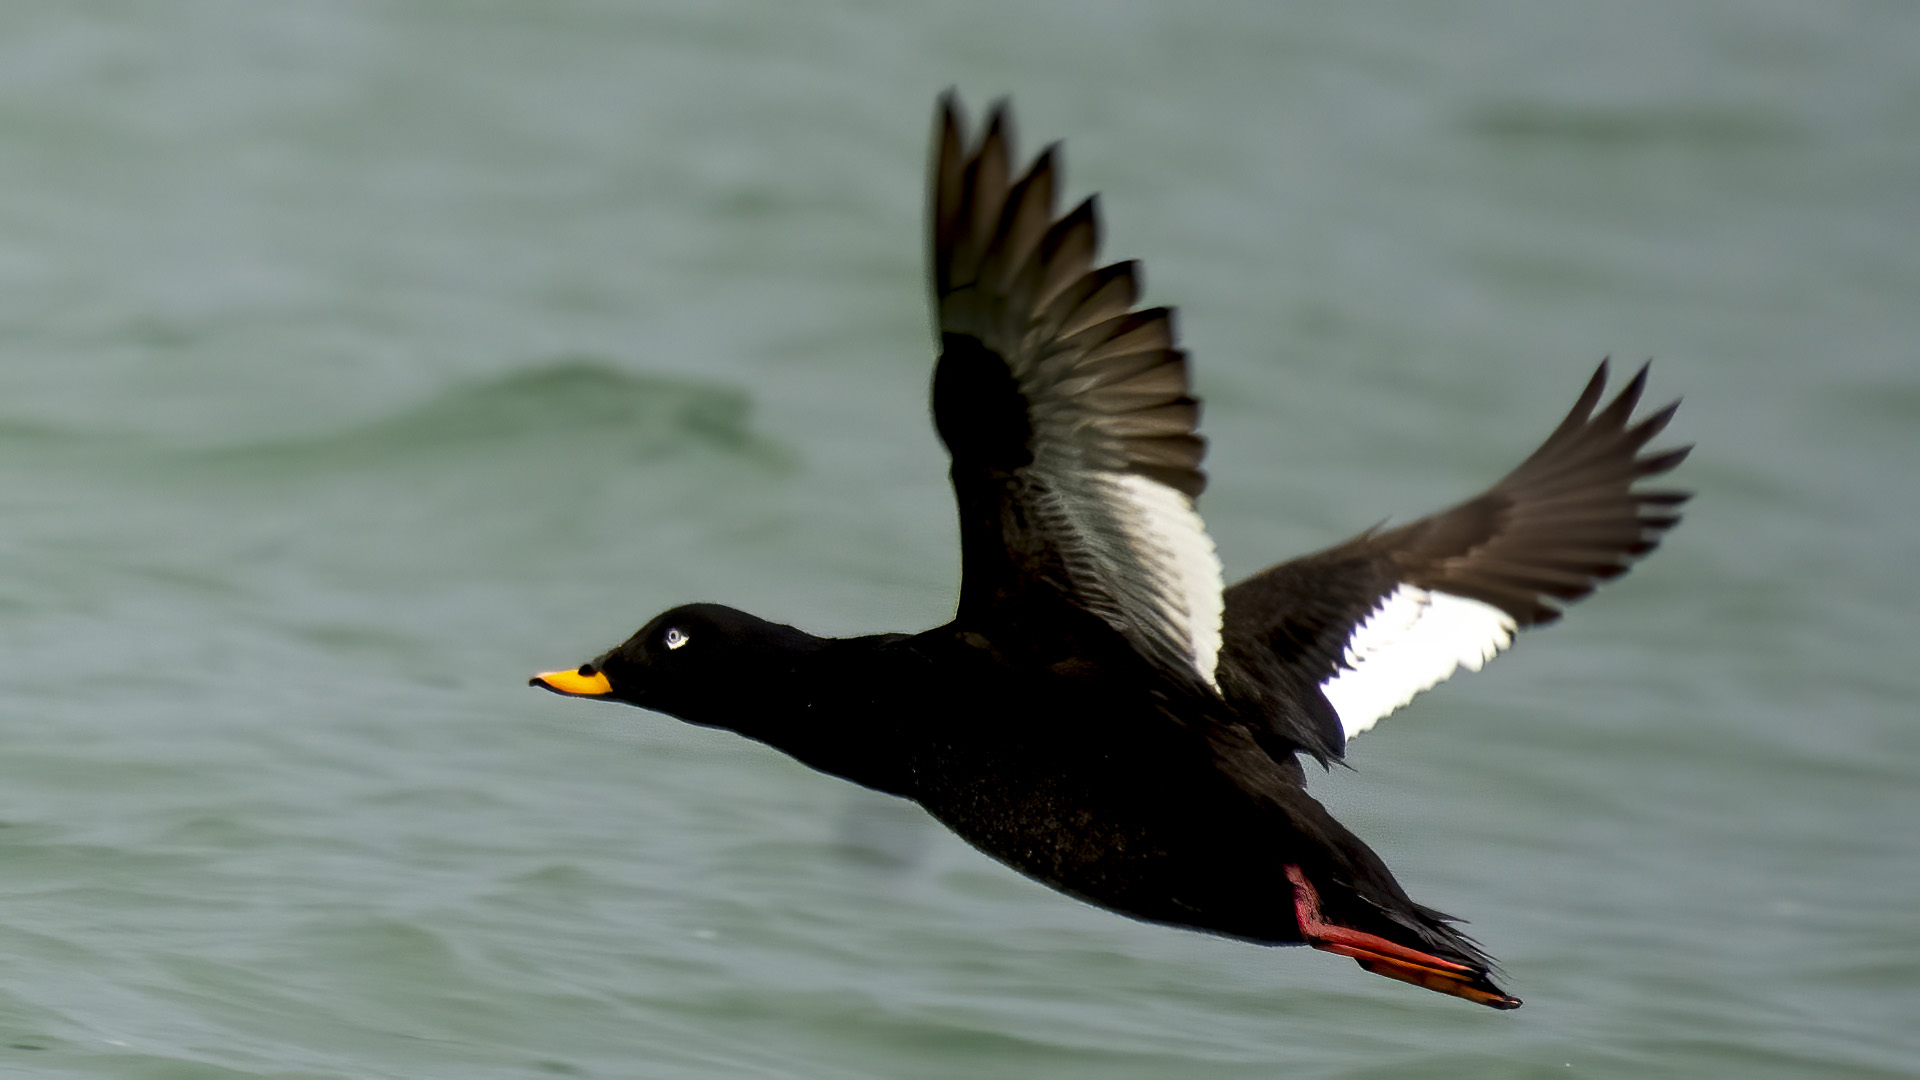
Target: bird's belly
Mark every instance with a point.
(1151, 854)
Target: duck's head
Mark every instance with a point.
(704, 663)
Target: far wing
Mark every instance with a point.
(1066, 411)
(1376, 620)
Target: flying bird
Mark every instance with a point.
(1102, 714)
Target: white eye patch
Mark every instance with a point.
(675, 638)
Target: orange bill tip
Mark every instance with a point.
(573, 683)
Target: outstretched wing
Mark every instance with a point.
(1376, 620)
(1066, 411)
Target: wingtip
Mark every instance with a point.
(1047, 161)
(1085, 214)
(999, 125)
(1665, 461)
(1628, 399)
(1589, 398)
(1656, 422)
(1639, 380)
(949, 118)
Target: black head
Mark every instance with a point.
(704, 663)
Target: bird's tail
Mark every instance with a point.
(1347, 902)
(1408, 942)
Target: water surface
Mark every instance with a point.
(358, 360)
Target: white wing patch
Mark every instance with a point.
(1413, 640)
(1140, 558)
(1172, 542)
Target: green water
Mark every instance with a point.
(358, 360)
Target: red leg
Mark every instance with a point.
(1383, 957)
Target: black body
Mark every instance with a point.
(1081, 767)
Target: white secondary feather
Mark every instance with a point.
(1140, 558)
(1172, 541)
(1413, 640)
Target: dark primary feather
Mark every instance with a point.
(1568, 518)
(1050, 392)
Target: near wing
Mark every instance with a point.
(1075, 460)
(1374, 621)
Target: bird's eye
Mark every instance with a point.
(675, 638)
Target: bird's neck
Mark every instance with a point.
(829, 703)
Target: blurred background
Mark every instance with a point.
(358, 360)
